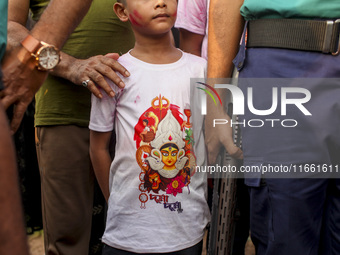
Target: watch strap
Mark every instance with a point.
(25, 58)
(31, 44)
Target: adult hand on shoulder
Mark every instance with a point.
(220, 135)
(22, 80)
(91, 72)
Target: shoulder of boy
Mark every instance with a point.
(196, 60)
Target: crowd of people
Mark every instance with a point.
(114, 106)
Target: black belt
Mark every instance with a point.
(308, 35)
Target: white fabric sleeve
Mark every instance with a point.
(103, 110)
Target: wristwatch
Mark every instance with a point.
(47, 56)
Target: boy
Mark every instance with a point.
(155, 202)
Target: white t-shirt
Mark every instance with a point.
(193, 15)
(157, 203)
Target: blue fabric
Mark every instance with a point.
(3, 26)
(316, 138)
(296, 215)
(288, 217)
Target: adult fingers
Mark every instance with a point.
(99, 67)
(98, 82)
(106, 68)
(212, 156)
(114, 56)
(117, 66)
(213, 147)
(234, 151)
(8, 100)
(91, 86)
(18, 114)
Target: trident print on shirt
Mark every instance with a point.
(164, 141)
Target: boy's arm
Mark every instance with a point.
(225, 30)
(101, 159)
(190, 42)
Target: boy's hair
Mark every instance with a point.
(121, 1)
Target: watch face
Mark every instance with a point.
(48, 57)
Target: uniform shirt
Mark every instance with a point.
(290, 9)
(3, 27)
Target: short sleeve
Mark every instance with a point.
(103, 111)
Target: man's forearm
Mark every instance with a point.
(225, 30)
(16, 33)
(59, 20)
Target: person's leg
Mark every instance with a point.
(297, 215)
(286, 216)
(98, 221)
(12, 235)
(297, 204)
(67, 188)
(330, 242)
(260, 217)
(242, 218)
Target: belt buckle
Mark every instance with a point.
(337, 22)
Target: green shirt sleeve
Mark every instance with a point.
(290, 9)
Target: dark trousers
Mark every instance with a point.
(194, 250)
(296, 216)
(67, 188)
(299, 214)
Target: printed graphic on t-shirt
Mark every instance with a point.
(164, 142)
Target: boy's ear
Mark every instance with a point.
(121, 12)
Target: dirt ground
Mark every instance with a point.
(36, 243)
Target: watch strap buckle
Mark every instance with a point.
(332, 38)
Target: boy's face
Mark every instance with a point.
(152, 16)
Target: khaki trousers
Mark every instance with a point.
(67, 188)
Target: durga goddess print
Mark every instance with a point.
(164, 147)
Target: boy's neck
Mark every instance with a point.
(156, 49)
